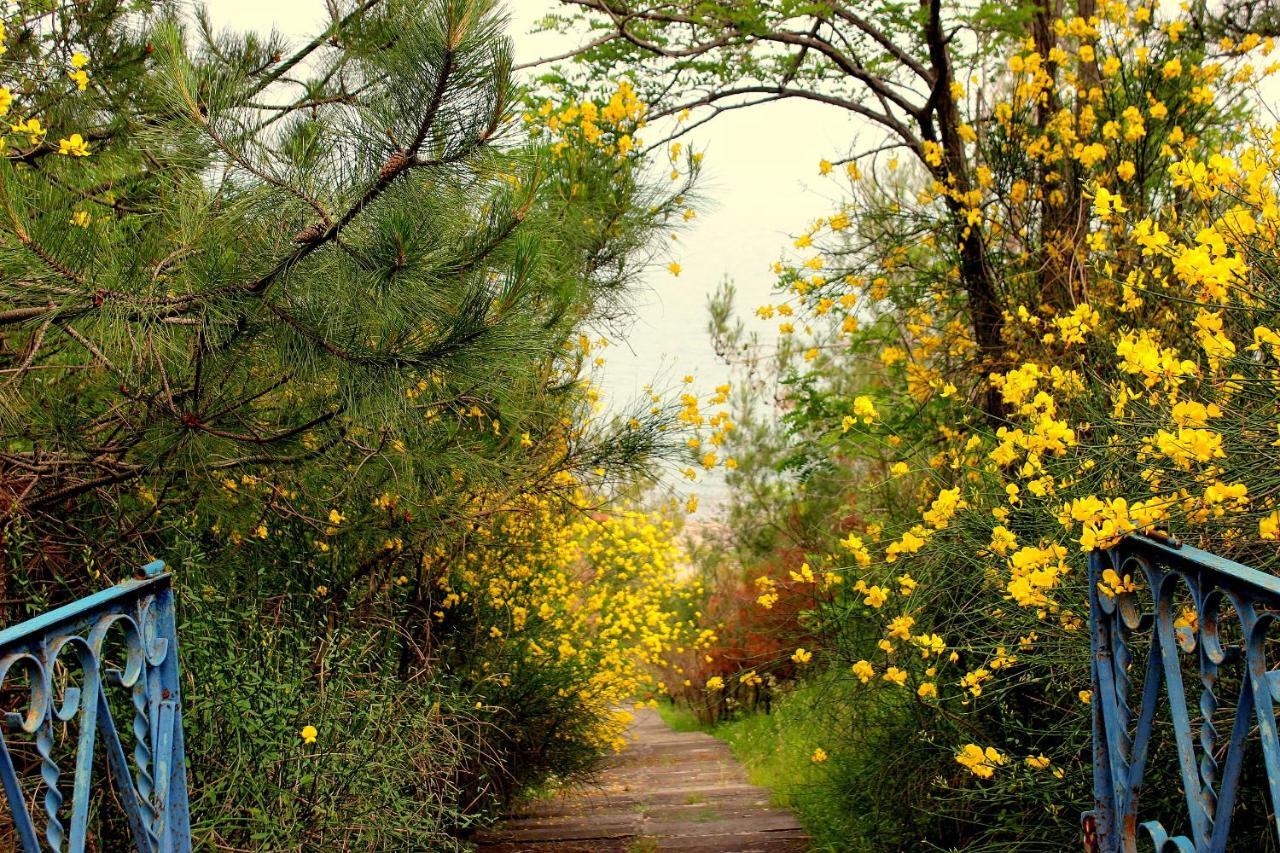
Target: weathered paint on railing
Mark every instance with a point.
(1223, 594)
(66, 645)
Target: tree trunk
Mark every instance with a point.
(976, 275)
(1062, 224)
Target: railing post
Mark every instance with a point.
(1098, 824)
(151, 785)
(1132, 588)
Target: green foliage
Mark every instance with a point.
(423, 730)
(374, 260)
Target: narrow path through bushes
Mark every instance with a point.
(668, 791)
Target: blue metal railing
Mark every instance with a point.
(66, 689)
(1135, 608)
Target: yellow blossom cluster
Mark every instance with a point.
(608, 127)
(981, 762)
(597, 594)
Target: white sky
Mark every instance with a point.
(760, 183)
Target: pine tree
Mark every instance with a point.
(344, 265)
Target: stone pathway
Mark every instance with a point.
(668, 791)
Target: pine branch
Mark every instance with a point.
(311, 47)
(399, 163)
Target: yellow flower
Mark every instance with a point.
(801, 656)
(901, 626)
(944, 507)
(854, 545)
(1113, 585)
(261, 531)
(674, 268)
(980, 762)
(927, 690)
(715, 682)
(1269, 527)
(972, 681)
(1038, 762)
(75, 146)
(1085, 696)
(819, 756)
(864, 671)
(876, 596)
(930, 644)
(1105, 203)
(895, 676)
(865, 409)
(824, 167)
(81, 219)
(336, 517)
(32, 127)
(308, 734)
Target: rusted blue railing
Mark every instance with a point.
(67, 663)
(1173, 603)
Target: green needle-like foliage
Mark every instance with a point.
(338, 266)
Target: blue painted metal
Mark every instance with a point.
(62, 651)
(1224, 594)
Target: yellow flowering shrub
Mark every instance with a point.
(597, 597)
(1121, 197)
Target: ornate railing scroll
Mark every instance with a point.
(68, 662)
(1139, 605)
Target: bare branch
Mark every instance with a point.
(569, 54)
(884, 119)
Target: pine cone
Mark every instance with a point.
(310, 234)
(395, 164)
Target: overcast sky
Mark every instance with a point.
(760, 183)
